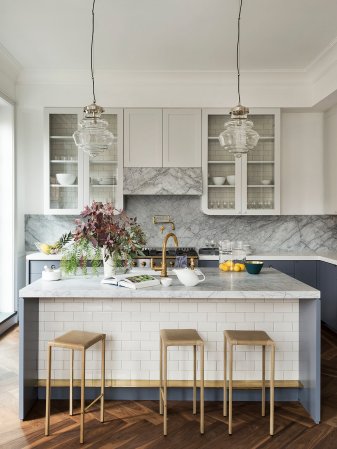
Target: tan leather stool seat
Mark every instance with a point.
(76, 341)
(181, 337)
(258, 338)
(249, 338)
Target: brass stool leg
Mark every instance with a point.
(102, 379)
(82, 397)
(161, 377)
(225, 377)
(46, 430)
(194, 380)
(230, 402)
(272, 376)
(202, 399)
(165, 389)
(263, 381)
(71, 382)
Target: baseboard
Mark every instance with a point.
(8, 323)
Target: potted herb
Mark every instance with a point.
(103, 232)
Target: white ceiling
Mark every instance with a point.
(169, 35)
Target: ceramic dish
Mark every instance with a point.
(65, 179)
(231, 180)
(254, 266)
(219, 180)
(266, 182)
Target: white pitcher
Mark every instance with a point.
(188, 277)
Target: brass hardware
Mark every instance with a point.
(192, 265)
(163, 267)
(160, 219)
(143, 264)
(134, 263)
(162, 229)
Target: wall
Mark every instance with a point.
(193, 228)
(330, 160)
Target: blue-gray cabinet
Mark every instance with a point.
(35, 267)
(327, 284)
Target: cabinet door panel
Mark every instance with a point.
(328, 287)
(143, 138)
(285, 266)
(182, 137)
(305, 271)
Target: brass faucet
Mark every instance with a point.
(163, 267)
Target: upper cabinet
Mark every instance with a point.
(247, 185)
(162, 137)
(181, 137)
(72, 179)
(143, 137)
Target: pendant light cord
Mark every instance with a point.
(92, 50)
(238, 52)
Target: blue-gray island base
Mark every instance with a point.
(288, 310)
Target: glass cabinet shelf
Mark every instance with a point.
(95, 179)
(251, 193)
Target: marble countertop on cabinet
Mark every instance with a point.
(324, 256)
(269, 283)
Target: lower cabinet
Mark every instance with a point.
(35, 267)
(328, 287)
(285, 266)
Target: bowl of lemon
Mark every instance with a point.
(232, 265)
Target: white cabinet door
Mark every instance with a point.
(143, 138)
(182, 137)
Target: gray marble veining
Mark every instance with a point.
(162, 181)
(269, 284)
(193, 228)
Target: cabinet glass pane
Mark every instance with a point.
(261, 165)
(63, 162)
(103, 169)
(221, 165)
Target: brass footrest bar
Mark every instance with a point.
(93, 402)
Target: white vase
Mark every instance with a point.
(110, 268)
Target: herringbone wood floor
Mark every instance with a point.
(132, 425)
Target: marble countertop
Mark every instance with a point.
(269, 284)
(324, 256)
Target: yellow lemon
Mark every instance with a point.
(225, 268)
(44, 247)
(236, 267)
(229, 263)
(242, 266)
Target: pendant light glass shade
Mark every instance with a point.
(239, 136)
(93, 136)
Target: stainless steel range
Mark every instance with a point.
(153, 257)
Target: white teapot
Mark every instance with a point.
(189, 277)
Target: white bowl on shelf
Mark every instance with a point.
(266, 182)
(231, 180)
(65, 179)
(218, 180)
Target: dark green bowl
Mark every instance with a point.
(254, 266)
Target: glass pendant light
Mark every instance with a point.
(93, 136)
(239, 136)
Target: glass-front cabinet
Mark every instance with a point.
(74, 180)
(249, 184)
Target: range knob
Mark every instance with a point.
(134, 263)
(143, 264)
(171, 264)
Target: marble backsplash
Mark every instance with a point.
(194, 228)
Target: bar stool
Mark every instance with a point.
(181, 337)
(81, 341)
(250, 338)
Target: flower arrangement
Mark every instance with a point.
(102, 228)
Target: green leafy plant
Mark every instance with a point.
(102, 226)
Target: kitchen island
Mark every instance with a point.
(282, 306)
